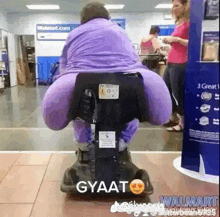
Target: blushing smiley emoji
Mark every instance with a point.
(137, 186)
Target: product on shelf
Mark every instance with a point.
(210, 51)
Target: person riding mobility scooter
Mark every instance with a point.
(109, 101)
(106, 92)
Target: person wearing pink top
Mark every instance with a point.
(174, 75)
(150, 44)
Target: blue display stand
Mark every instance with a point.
(44, 67)
(201, 134)
(5, 59)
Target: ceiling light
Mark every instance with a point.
(164, 6)
(43, 7)
(114, 7)
(168, 17)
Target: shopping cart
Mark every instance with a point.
(2, 78)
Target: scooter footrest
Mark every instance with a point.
(82, 173)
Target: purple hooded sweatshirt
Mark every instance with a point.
(101, 46)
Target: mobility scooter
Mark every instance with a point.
(107, 101)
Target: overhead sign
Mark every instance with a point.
(166, 30)
(54, 32)
(120, 22)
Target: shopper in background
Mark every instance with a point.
(174, 75)
(150, 49)
(150, 44)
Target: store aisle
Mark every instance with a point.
(18, 103)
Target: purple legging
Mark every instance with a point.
(57, 100)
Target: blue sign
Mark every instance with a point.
(120, 22)
(166, 30)
(201, 134)
(54, 32)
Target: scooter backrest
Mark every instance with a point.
(109, 98)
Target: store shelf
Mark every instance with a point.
(207, 61)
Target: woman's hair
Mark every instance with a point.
(92, 11)
(186, 12)
(154, 30)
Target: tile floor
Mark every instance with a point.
(30, 185)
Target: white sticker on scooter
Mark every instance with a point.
(108, 91)
(107, 139)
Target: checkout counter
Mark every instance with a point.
(154, 62)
